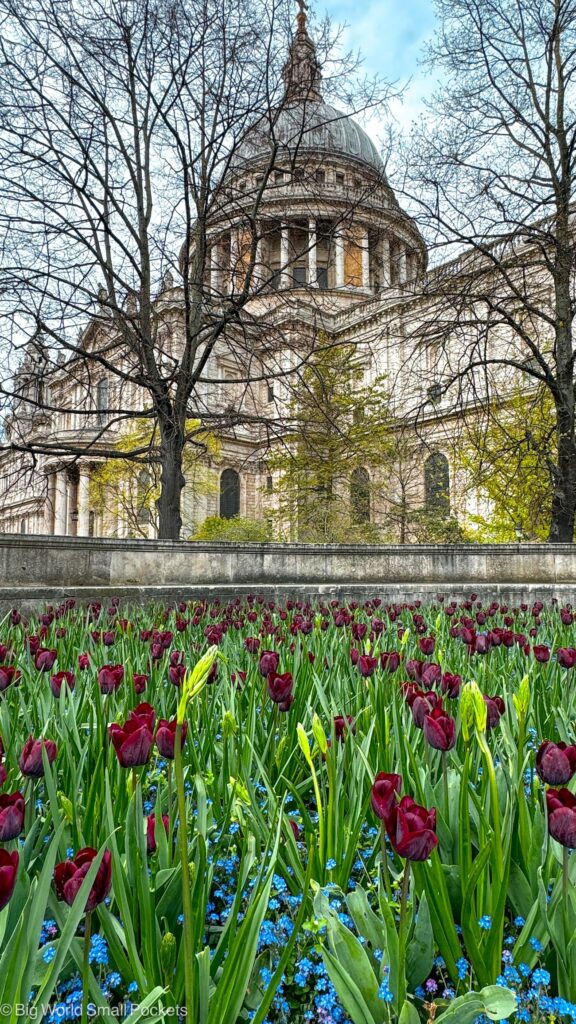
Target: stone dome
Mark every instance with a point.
(310, 127)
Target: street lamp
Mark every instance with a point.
(519, 532)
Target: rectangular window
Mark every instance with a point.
(322, 277)
(269, 484)
(339, 179)
(270, 392)
(320, 177)
(299, 275)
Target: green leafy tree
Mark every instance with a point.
(128, 491)
(338, 437)
(508, 456)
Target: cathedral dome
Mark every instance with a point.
(312, 127)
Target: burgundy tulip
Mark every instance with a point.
(166, 737)
(9, 675)
(60, 679)
(431, 674)
(132, 742)
(343, 725)
(144, 712)
(439, 730)
(286, 704)
(495, 707)
(83, 661)
(69, 875)
(252, 644)
(556, 763)
(482, 644)
(176, 674)
(110, 678)
(390, 661)
(366, 665)
(427, 645)
(451, 684)
(384, 789)
(422, 705)
(566, 657)
(12, 807)
(8, 872)
(139, 679)
(295, 828)
(541, 652)
(151, 831)
(280, 687)
(30, 761)
(269, 661)
(44, 659)
(412, 830)
(414, 668)
(561, 805)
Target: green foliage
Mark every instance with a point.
(338, 435)
(235, 530)
(508, 456)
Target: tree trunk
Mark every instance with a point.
(172, 481)
(564, 499)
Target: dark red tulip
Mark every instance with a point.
(561, 805)
(144, 712)
(431, 674)
(556, 763)
(252, 644)
(9, 675)
(110, 678)
(69, 875)
(410, 691)
(354, 655)
(44, 659)
(30, 761)
(439, 730)
(390, 661)
(212, 675)
(139, 679)
(176, 674)
(151, 831)
(166, 737)
(12, 807)
(295, 828)
(342, 726)
(541, 652)
(132, 742)
(495, 707)
(422, 705)
(286, 704)
(451, 684)
(566, 657)
(414, 668)
(384, 789)
(8, 872)
(269, 661)
(482, 644)
(60, 679)
(427, 645)
(359, 630)
(5, 653)
(3, 775)
(83, 661)
(280, 687)
(566, 617)
(412, 830)
(367, 665)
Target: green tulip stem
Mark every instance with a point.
(402, 936)
(187, 927)
(565, 893)
(384, 856)
(170, 809)
(86, 966)
(445, 787)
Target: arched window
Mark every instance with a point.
(22, 526)
(229, 494)
(360, 495)
(102, 400)
(143, 497)
(437, 484)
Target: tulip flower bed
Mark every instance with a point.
(286, 813)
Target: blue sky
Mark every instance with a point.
(390, 35)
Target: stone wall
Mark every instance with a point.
(34, 569)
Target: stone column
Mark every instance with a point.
(60, 503)
(365, 260)
(215, 269)
(83, 503)
(259, 273)
(402, 265)
(385, 258)
(284, 256)
(49, 506)
(339, 248)
(312, 254)
(233, 258)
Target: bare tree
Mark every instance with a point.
(127, 128)
(491, 174)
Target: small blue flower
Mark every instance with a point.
(485, 923)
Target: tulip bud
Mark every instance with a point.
(229, 725)
(522, 698)
(319, 734)
(168, 955)
(405, 637)
(473, 710)
(196, 680)
(304, 743)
